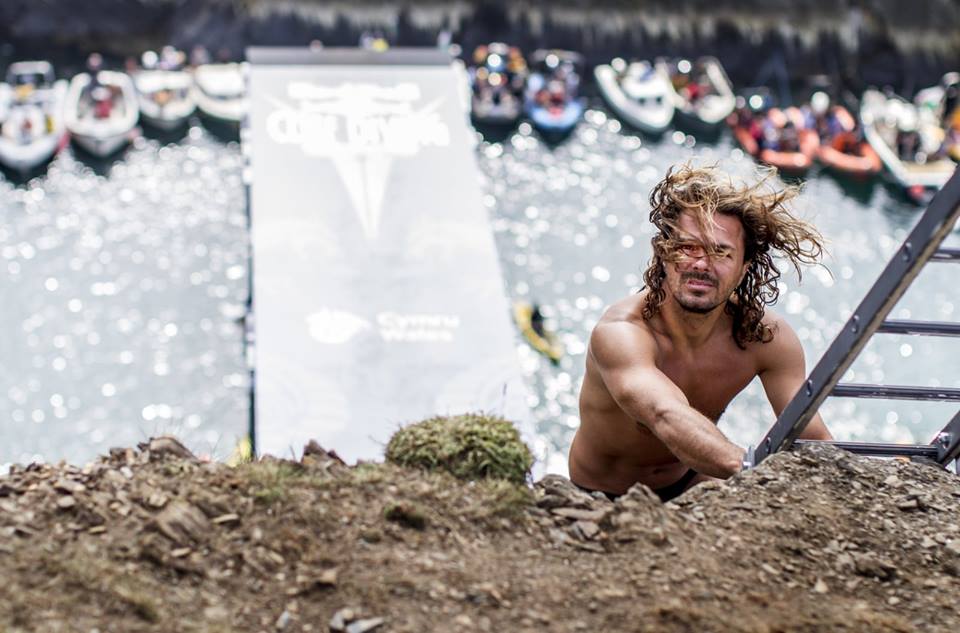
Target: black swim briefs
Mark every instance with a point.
(666, 493)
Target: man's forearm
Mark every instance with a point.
(697, 442)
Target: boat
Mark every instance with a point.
(908, 140)
(942, 104)
(702, 93)
(639, 93)
(551, 100)
(164, 92)
(102, 116)
(777, 137)
(528, 319)
(842, 148)
(219, 91)
(497, 79)
(32, 127)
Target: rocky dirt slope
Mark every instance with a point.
(155, 540)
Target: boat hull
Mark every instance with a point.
(106, 136)
(880, 130)
(653, 118)
(25, 157)
(218, 92)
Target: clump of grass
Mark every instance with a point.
(271, 481)
(469, 446)
(368, 473)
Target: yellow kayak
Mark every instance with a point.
(547, 343)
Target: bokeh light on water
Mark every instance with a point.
(123, 288)
(122, 291)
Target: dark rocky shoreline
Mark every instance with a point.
(854, 43)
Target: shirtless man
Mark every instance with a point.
(663, 364)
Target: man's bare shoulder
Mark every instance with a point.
(784, 344)
(622, 329)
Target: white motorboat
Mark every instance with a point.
(165, 97)
(702, 93)
(219, 91)
(102, 116)
(639, 93)
(908, 141)
(31, 107)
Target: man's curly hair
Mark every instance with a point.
(767, 227)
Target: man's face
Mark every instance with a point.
(704, 272)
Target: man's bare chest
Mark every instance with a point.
(710, 382)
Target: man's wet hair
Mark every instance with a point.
(768, 228)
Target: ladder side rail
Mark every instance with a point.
(925, 239)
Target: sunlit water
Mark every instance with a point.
(122, 290)
(121, 294)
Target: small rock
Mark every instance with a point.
(226, 518)
(820, 586)
(216, 613)
(182, 522)
(406, 515)
(66, 502)
(579, 515)
(953, 547)
(326, 578)
(72, 487)
(157, 500)
(587, 530)
(166, 445)
(362, 626)
(874, 567)
(341, 618)
(908, 504)
(283, 621)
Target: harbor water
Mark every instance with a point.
(125, 285)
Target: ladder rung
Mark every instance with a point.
(887, 450)
(928, 328)
(896, 392)
(946, 255)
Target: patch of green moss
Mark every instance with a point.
(469, 446)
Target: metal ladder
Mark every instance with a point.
(870, 317)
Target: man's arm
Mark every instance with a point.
(624, 354)
(783, 371)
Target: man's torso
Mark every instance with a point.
(611, 451)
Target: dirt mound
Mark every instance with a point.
(153, 539)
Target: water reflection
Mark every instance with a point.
(124, 280)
